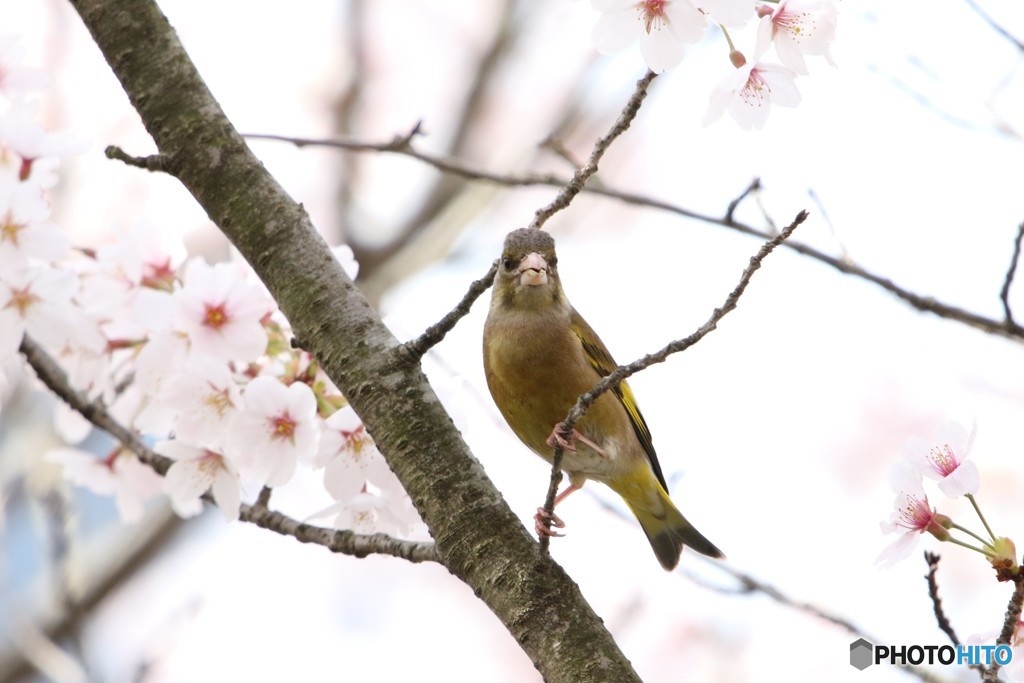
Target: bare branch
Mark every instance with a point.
(1002, 328)
(436, 332)
(154, 162)
(933, 592)
(749, 585)
(995, 26)
(579, 178)
(614, 378)
(754, 186)
(1004, 293)
(1010, 624)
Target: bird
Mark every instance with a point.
(540, 356)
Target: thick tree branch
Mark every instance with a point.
(541, 607)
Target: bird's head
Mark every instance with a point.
(527, 274)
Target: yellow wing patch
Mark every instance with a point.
(599, 358)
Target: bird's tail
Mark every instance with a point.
(666, 528)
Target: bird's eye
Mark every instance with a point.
(509, 263)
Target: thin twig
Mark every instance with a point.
(614, 378)
(436, 332)
(345, 542)
(750, 585)
(754, 186)
(933, 592)
(1004, 293)
(155, 162)
(1003, 328)
(579, 178)
(995, 26)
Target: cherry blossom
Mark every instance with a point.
(943, 459)
(16, 79)
(220, 313)
(24, 233)
(36, 300)
(749, 91)
(661, 26)
(196, 471)
(912, 516)
(349, 456)
(120, 475)
(275, 428)
(27, 151)
(797, 28)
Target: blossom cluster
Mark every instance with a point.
(944, 460)
(194, 356)
(663, 28)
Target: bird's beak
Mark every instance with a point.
(533, 270)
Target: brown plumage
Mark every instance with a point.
(540, 355)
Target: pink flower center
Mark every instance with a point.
(756, 92)
(794, 23)
(652, 13)
(158, 274)
(218, 400)
(943, 460)
(915, 514)
(21, 299)
(216, 316)
(10, 229)
(283, 426)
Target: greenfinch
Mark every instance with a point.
(540, 355)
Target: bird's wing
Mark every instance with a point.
(599, 358)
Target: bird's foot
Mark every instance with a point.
(556, 440)
(543, 522)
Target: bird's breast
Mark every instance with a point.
(536, 370)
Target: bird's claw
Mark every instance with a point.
(544, 520)
(556, 440)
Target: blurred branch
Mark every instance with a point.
(444, 190)
(750, 585)
(617, 376)
(133, 552)
(1003, 328)
(348, 102)
(1004, 294)
(994, 25)
(345, 542)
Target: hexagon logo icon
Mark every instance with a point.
(861, 654)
